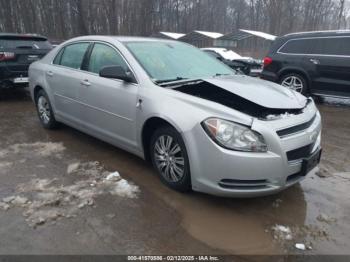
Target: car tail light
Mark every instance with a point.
(267, 61)
(4, 56)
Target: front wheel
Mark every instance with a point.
(45, 112)
(169, 158)
(295, 82)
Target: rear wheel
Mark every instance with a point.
(169, 158)
(44, 109)
(295, 82)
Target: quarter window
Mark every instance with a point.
(296, 46)
(104, 55)
(73, 55)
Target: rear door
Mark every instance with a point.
(24, 50)
(64, 78)
(331, 58)
(109, 104)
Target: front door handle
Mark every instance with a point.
(85, 83)
(315, 61)
(49, 73)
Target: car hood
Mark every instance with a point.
(263, 93)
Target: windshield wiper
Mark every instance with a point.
(24, 47)
(218, 74)
(170, 80)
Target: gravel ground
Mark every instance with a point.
(63, 192)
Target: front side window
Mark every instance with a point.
(73, 55)
(104, 55)
(164, 61)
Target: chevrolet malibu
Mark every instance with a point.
(202, 125)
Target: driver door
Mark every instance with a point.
(109, 104)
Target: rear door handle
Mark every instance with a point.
(315, 61)
(49, 73)
(85, 83)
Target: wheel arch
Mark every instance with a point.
(299, 71)
(148, 129)
(36, 90)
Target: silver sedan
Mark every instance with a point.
(202, 125)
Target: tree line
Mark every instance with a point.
(63, 19)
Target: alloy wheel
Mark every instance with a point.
(169, 159)
(44, 110)
(293, 83)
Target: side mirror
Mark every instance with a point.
(117, 72)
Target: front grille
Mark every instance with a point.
(300, 153)
(243, 184)
(296, 129)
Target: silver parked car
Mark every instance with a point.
(203, 126)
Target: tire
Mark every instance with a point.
(171, 160)
(44, 110)
(295, 82)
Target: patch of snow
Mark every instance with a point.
(260, 34)
(72, 168)
(4, 206)
(300, 246)
(125, 189)
(45, 200)
(19, 201)
(113, 177)
(213, 35)
(8, 200)
(282, 232)
(337, 101)
(172, 35)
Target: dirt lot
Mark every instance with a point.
(59, 195)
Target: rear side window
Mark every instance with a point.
(58, 57)
(331, 46)
(25, 43)
(104, 55)
(73, 55)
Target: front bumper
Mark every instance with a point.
(228, 173)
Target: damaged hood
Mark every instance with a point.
(263, 93)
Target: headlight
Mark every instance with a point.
(234, 136)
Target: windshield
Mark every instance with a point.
(25, 43)
(166, 61)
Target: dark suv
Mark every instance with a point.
(316, 63)
(17, 52)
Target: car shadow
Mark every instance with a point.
(14, 94)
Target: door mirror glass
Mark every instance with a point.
(116, 72)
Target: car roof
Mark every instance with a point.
(316, 34)
(121, 39)
(9, 35)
